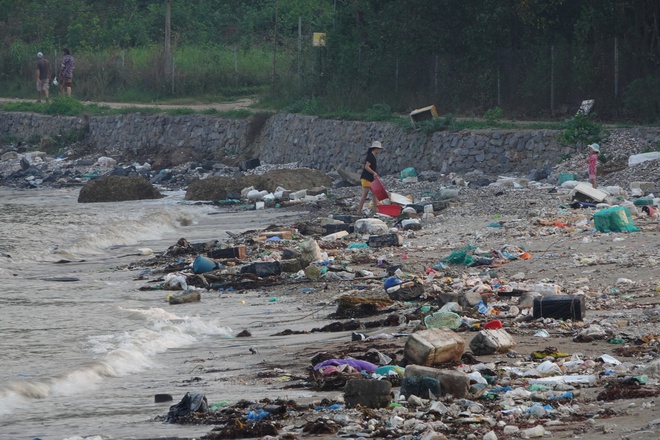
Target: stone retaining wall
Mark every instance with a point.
(135, 135)
(326, 143)
(310, 141)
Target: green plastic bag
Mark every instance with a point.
(408, 172)
(460, 255)
(614, 219)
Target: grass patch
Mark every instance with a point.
(135, 96)
(64, 106)
(180, 111)
(24, 106)
(478, 124)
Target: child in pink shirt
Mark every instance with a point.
(592, 160)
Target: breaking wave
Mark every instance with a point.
(117, 355)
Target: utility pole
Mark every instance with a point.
(277, 11)
(168, 48)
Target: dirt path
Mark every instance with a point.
(219, 106)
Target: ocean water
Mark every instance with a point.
(86, 357)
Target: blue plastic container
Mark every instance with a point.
(203, 265)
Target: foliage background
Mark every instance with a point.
(531, 58)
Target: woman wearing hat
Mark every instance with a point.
(592, 160)
(369, 171)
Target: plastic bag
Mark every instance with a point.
(190, 403)
(408, 172)
(460, 256)
(548, 368)
(614, 219)
(443, 319)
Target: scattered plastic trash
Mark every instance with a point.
(255, 416)
(543, 333)
(607, 359)
(191, 402)
(408, 172)
(493, 325)
(584, 379)
(442, 319)
(217, 405)
(203, 265)
(357, 246)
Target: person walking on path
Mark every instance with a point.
(369, 172)
(43, 76)
(592, 160)
(66, 72)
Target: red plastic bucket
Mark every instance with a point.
(391, 210)
(379, 190)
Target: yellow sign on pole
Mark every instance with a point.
(319, 39)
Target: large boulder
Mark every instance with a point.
(213, 188)
(293, 180)
(217, 188)
(118, 189)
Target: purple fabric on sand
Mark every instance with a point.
(355, 363)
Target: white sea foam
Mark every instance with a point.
(68, 230)
(118, 355)
(91, 353)
(126, 231)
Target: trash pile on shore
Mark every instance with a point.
(451, 330)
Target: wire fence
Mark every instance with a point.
(547, 81)
(542, 81)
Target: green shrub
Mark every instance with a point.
(64, 106)
(433, 125)
(311, 106)
(581, 130)
(494, 114)
(379, 112)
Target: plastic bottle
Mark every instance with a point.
(537, 411)
(536, 431)
(396, 421)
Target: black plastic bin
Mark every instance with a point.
(560, 307)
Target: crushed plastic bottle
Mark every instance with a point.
(535, 432)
